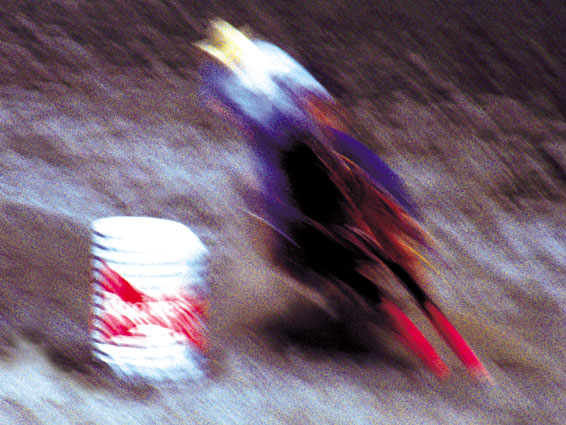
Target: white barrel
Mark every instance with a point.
(150, 298)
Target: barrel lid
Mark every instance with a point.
(146, 234)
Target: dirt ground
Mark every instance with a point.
(100, 115)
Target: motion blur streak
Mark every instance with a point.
(100, 115)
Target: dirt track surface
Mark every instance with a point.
(99, 115)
